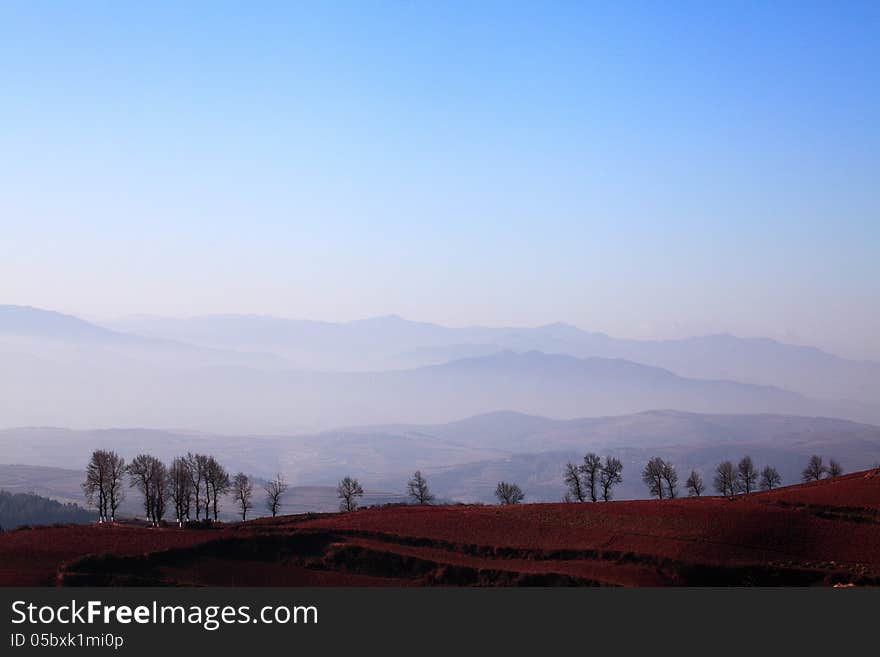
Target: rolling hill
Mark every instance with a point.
(463, 459)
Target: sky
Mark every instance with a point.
(650, 170)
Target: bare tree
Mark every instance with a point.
(217, 483)
(508, 493)
(770, 478)
(180, 488)
(725, 479)
(95, 485)
(746, 475)
(149, 475)
(275, 489)
(103, 484)
(670, 478)
(115, 490)
(348, 491)
(244, 492)
(196, 465)
(814, 470)
(694, 484)
(834, 469)
(653, 477)
(576, 492)
(592, 468)
(610, 476)
(417, 489)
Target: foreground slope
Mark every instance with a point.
(822, 533)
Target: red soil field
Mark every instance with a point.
(822, 533)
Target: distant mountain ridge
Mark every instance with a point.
(391, 342)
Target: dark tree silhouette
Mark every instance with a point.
(180, 488)
(814, 470)
(592, 468)
(196, 466)
(610, 476)
(103, 484)
(95, 485)
(746, 475)
(150, 476)
(576, 492)
(652, 475)
(770, 478)
(348, 492)
(670, 478)
(694, 484)
(417, 489)
(115, 490)
(725, 479)
(275, 490)
(243, 491)
(834, 469)
(217, 483)
(508, 493)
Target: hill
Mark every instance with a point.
(18, 509)
(463, 459)
(822, 533)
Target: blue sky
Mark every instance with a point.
(645, 169)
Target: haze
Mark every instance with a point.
(644, 170)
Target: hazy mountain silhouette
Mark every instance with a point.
(62, 371)
(394, 343)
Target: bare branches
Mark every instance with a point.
(814, 470)
(610, 476)
(103, 484)
(591, 468)
(725, 479)
(149, 475)
(576, 492)
(348, 491)
(770, 478)
(417, 489)
(746, 475)
(181, 489)
(653, 477)
(275, 489)
(508, 493)
(243, 491)
(694, 484)
(591, 478)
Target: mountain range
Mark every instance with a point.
(241, 374)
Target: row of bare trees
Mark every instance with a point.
(190, 488)
(193, 484)
(593, 479)
(729, 479)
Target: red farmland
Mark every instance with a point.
(822, 533)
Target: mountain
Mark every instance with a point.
(26, 321)
(391, 342)
(108, 388)
(59, 370)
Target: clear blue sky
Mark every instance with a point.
(646, 169)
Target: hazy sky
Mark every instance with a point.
(651, 170)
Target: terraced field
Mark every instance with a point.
(823, 533)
